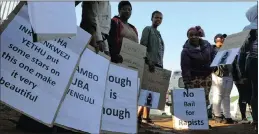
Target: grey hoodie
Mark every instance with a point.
(252, 16)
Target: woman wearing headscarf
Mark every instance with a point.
(120, 28)
(152, 39)
(248, 60)
(221, 86)
(196, 57)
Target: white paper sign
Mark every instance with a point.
(120, 103)
(225, 57)
(82, 107)
(51, 20)
(190, 109)
(148, 99)
(35, 75)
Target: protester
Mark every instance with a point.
(244, 90)
(196, 57)
(120, 28)
(152, 39)
(248, 60)
(252, 16)
(248, 63)
(96, 20)
(222, 85)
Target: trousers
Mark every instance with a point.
(253, 79)
(222, 88)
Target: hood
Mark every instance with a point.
(252, 17)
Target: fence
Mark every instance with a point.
(6, 7)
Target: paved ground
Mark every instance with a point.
(163, 125)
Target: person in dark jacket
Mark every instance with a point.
(196, 57)
(244, 89)
(120, 28)
(248, 63)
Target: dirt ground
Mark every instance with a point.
(162, 126)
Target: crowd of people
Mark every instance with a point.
(114, 30)
(196, 57)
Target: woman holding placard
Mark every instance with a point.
(196, 57)
(152, 39)
(120, 28)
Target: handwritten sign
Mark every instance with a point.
(46, 19)
(133, 55)
(133, 48)
(189, 109)
(157, 82)
(120, 103)
(84, 99)
(36, 75)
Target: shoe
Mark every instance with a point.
(218, 119)
(228, 121)
(244, 121)
(147, 120)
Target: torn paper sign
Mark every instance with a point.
(52, 20)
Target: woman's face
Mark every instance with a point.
(125, 12)
(194, 37)
(157, 19)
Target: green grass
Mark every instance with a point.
(234, 98)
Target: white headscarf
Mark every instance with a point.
(252, 16)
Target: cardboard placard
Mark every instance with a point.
(235, 40)
(36, 75)
(120, 102)
(133, 55)
(82, 106)
(189, 110)
(46, 19)
(157, 82)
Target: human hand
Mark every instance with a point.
(119, 58)
(151, 67)
(100, 45)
